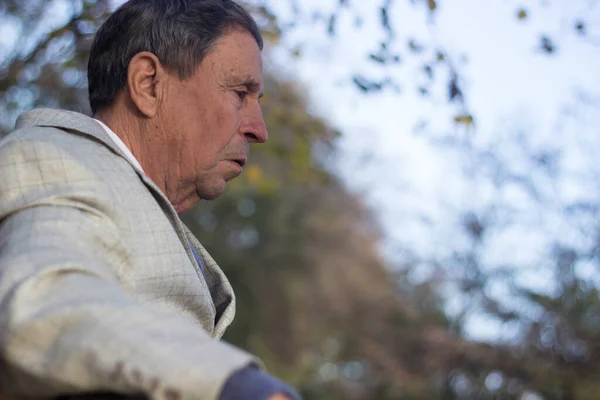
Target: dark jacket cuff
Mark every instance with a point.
(251, 383)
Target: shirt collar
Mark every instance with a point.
(121, 145)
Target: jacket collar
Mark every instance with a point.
(67, 120)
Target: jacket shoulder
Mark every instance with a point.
(46, 164)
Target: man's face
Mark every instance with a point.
(211, 119)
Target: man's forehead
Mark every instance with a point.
(237, 60)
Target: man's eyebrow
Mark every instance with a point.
(253, 87)
(250, 83)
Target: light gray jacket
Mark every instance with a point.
(99, 290)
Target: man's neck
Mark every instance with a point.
(125, 130)
(131, 130)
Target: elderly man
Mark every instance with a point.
(102, 288)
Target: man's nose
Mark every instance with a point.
(256, 130)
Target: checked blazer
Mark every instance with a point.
(99, 289)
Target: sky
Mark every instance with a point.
(415, 187)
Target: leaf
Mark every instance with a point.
(385, 19)
(454, 90)
(366, 85)
(548, 45)
(472, 223)
(377, 58)
(414, 46)
(360, 83)
(580, 28)
(522, 14)
(464, 119)
(254, 174)
(432, 4)
(331, 25)
(428, 71)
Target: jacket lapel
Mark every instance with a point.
(218, 285)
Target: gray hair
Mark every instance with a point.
(179, 32)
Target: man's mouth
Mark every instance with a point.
(240, 161)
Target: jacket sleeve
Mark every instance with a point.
(67, 322)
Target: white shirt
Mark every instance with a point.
(119, 143)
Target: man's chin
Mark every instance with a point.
(212, 192)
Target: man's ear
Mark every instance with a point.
(145, 78)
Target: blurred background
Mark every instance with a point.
(423, 222)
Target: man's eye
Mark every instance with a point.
(241, 94)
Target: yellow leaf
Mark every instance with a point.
(432, 4)
(254, 174)
(464, 119)
(522, 14)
